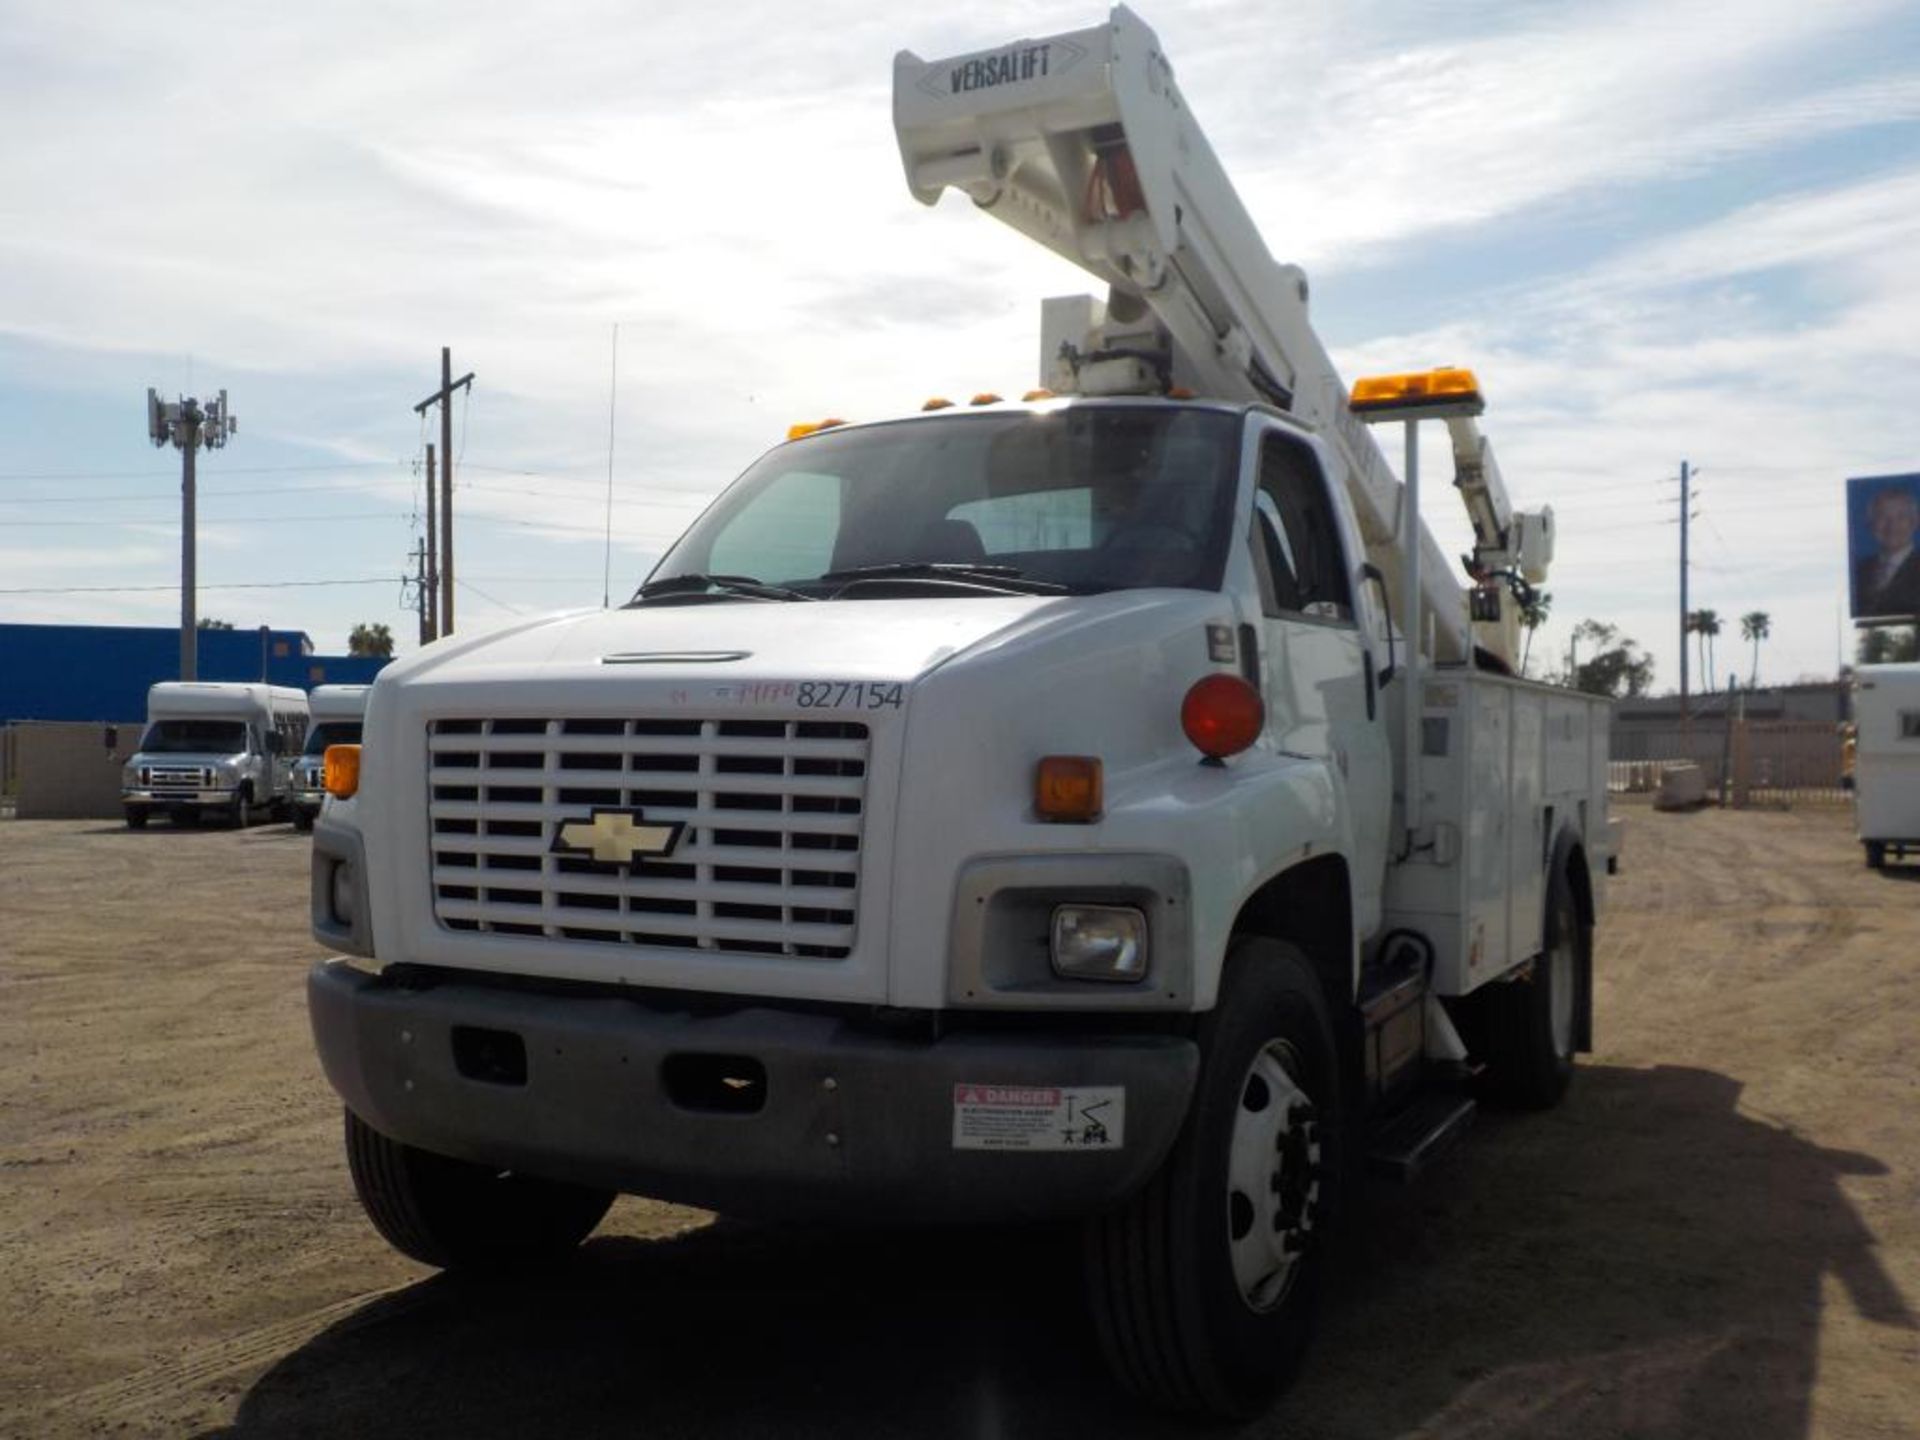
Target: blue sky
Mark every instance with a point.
(1656, 230)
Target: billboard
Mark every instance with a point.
(1883, 561)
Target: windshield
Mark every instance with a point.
(334, 732)
(1085, 499)
(195, 737)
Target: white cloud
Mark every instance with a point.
(331, 194)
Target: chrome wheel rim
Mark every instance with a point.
(1273, 1177)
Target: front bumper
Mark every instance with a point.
(850, 1124)
(176, 797)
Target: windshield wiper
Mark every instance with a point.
(697, 584)
(1001, 577)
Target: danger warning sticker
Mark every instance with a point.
(1039, 1117)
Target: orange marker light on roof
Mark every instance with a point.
(938, 402)
(1033, 395)
(806, 428)
(342, 771)
(1068, 788)
(1222, 715)
(985, 397)
(1448, 387)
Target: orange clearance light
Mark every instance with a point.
(985, 397)
(1033, 395)
(938, 402)
(806, 428)
(343, 771)
(1416, 390)
(1222, 716)
(1068, 787)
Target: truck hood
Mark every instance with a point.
(729, 641)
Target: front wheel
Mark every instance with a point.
(1206, 1284)
(302, 819)
(1876, 855)
(240, 814)
(136, 817)
(452, 1213)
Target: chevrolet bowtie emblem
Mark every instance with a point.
(617, 837)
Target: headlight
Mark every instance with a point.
(341, 893)
(1099, 942)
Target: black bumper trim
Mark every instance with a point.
(854, 1126)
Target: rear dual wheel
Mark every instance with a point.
(1205, 1286)
(1530, 1022)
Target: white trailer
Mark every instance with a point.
(1886, 761)
(219, 747)
(337, 711)
(1001, 811)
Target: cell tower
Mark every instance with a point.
(187, 427)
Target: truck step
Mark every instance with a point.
(1411, 1140)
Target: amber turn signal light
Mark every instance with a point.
(1068, 787)
(1222, 715)
(343, 771)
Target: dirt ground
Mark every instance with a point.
(1718, 1234)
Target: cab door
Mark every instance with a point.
(1320, 673)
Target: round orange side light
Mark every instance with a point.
(1222, 715)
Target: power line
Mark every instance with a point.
(142, 589)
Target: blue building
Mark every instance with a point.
(103, 672)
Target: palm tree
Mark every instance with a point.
(1533, 614)
(1705, 624)
(370, 639)
(1755, 625)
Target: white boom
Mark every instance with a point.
(1083, 142)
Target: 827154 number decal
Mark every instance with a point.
(850, 695)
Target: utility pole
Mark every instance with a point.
(187, 427)
(443, 397)
(430, 622)
(1686, 510)
(422, 590)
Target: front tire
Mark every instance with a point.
(455, 1214)
(1205, 1286)
(1876, 855)
(136, 817)
(240, 814)
(302, 819)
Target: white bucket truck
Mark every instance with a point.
(1886, 761)
(1107, 806)
(337, 712)
(215, 747)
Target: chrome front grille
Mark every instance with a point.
(172, 778)
(768, 862)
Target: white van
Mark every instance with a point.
(1886, 760)
(337, 711)
(214, 746)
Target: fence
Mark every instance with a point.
(1767, 762)
(55, 771)
(9, 771)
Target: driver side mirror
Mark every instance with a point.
(1370, 573)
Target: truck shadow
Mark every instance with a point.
(1644, 1260)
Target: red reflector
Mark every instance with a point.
(1222, 715)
